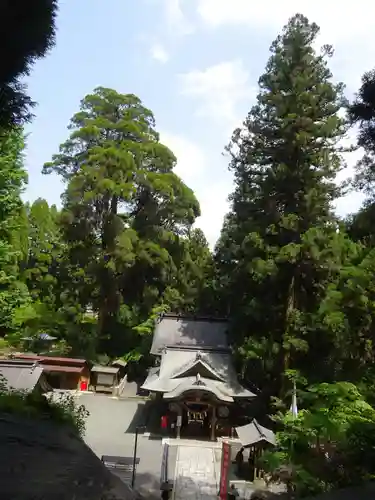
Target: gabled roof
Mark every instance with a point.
(62, 369)
(203, 384)
(230, 389)
(194, 362)
(50, 360)
(109, 370)
(176, 362)
(198, 366)
(175, 370)
(175, 330)
(21, 376)
(255, 433)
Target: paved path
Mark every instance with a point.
(110, 430)
(195, 476)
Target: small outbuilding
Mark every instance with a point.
(255, 434)
(104, 378)
(23, 375)
(61, 373)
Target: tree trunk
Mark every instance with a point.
(285, 350)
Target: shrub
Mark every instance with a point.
(62, 409)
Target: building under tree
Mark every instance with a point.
(195, 380)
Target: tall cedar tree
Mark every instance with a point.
(124, 212)
(27, 32)
(12, 180)
(273, 251)
(41, 270)
(362, 114)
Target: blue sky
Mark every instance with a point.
(195, 63)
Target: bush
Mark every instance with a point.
(329, 445)
(66, 410)
(63, 409)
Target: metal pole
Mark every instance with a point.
(135, 456)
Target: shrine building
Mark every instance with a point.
(195, 380)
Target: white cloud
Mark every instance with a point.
(176, 19)
(159, 53)
(214, 206)
(342, 22)
(343, 27)
(195, 169)
(223, 92)
(220, 88)
(352, 201)
(191, 160)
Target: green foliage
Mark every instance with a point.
(297, 283)
(66, 410)
(35, 405)
(279, 248)
(25, 38)
(13, 293)
(125, 224)
(324, 442)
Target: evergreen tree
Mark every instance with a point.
(26, 34)
(13, 293)
(362, 113)
(278, 245)
(124, 213)
(190, 293)
(44, 250)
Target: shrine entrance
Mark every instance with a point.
(196, 421)
(199, 416)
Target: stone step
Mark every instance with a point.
(195, 473)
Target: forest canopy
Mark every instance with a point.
(296, 281)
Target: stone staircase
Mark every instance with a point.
(197, 470)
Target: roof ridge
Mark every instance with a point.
(258, 428)
(192, 317)
(193, 362)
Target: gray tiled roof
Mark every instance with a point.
(177, 364)
(254, 433)
(173, 330)
(111, 370)
(21, 376)
(206, 385)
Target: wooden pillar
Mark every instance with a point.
(213, 423)
(179, 421)
(115, 392)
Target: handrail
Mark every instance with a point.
(120, 387)
(164, 465)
